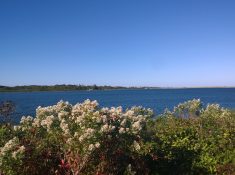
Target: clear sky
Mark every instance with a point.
(171, 43)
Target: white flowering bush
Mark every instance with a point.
(76, 139)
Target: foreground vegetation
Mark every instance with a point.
(86, 139)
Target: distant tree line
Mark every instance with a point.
(62, 87)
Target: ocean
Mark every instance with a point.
(156, 99)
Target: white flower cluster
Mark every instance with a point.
(189, 108)
(46, 116)
(26, 120)
(107, 123)
(92, 147)
(89, 133)
(13, 148)
(107, 128)
(47, 122)
(81, 111)
(215, 111)
(65, 127)
(87, 106)
(190, 105)
(10, 145)
(108, 120)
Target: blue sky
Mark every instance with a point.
(167, 43)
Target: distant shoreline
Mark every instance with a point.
(64, 88)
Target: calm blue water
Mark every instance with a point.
(158, 99)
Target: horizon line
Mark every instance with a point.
(157, 87)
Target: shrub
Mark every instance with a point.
(199, 145)
(87, 139)
(6, 109)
